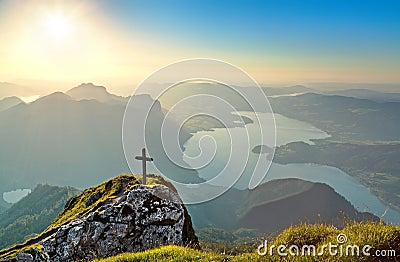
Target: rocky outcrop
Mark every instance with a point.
(140, 218)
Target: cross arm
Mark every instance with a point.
(144, 158)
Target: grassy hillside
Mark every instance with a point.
(379, 236)
(32, 214)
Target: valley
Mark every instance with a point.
(309, 131)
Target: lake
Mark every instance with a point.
(288, 130)
(15, 195)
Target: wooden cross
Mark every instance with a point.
(144, 159)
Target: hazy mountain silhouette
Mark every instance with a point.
(367, 94)
(62, 141)
(89, 91)
(9, 102)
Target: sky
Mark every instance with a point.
(55, 45)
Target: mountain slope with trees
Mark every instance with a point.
(33, 213)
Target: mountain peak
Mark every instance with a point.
(12, 98)
(87, 86)
(9, 102)
(90, 91)
(55, 97)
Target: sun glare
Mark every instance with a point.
(57, 25)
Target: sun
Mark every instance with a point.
(57, 25)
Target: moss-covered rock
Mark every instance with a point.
(119, 215)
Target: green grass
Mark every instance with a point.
(167, 253)
(377, 235)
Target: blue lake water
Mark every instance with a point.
(358, 195)
(288, 130)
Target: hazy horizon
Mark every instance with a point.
(58, 45)
(30, 93)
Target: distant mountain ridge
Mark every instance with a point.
(88, 91)
(9, 102)
(58, 135)
(367, 94)
(57, 138)
(53, 97)
(344, 118)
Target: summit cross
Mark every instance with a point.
(144, 159)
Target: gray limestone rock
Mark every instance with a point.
(140, 218)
